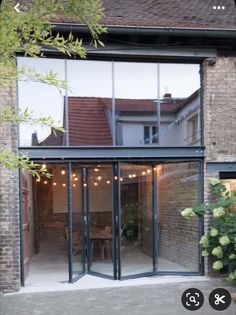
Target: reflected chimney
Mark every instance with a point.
(167, 96)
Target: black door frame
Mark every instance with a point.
(154, 229)
(116, 227)
(73, 278)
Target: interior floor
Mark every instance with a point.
(50, 265)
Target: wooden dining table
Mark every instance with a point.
(98, 234)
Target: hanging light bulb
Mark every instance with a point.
(64, 185)
(38, 180)
(45, 182)
(115, 177)
(74, 175)
(96, 170)
(143, 173)
(63, 172)
(85, 185)
(130, 176)
(44, 166)
(134, 175)
(95, 184)
(74, 185)
(99, 177)
(148, 171)
(121, 179)
(76, 179)
(54, 183)
(108, 182)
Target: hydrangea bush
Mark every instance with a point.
(220, 240)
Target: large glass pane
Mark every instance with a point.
(136, 250)
(77, 222)
(48, 222)
(136, 103)
(180, 105)
(42, 100)
(89, 102)
(177, 239)
(100, 206)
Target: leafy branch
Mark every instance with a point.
(12, 161)
(28, 34)
(26, 116)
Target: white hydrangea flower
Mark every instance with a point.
(188, 213)
(218, 265)
(218, 252)
(218, 212)
(204, 241)
(214, 232)
(224, 240)
(232, 256)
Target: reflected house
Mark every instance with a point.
(90, 122)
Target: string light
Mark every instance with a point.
(63, 185)
(95, 184)
(121, 179)
(99, 177)
(38, 180)
(115, 177)
(63, 172)
(45, 182)
(44, 166)
(85, 185)
(148, 171)
(54, 184)
(143, 173)
(134, 175)
(108, 182)
(130, 176)
(96, 170)
(74, 185)
(74, 175)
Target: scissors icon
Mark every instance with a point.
(219, 299)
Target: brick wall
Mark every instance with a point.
(9, 203)
(178, 189)
(219, 122)
(220, 110)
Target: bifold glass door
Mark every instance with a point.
(136, 231)
(124, 219)
(99, 209)
(90, 221)
(76, 223)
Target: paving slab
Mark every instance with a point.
(153, 299)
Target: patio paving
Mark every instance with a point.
(152, 299)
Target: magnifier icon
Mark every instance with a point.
(192, 299)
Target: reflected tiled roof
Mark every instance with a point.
(88, 122)
(128, 105)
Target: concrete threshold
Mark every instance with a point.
(89, 282)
